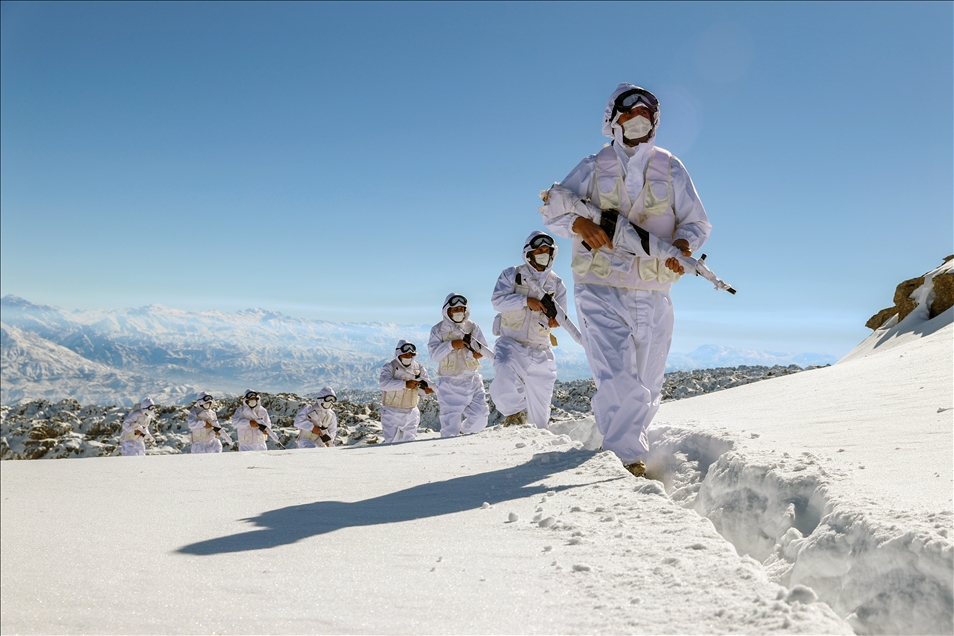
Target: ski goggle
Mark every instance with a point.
(329, 399)
(630, 99)
(408, 348)
(540, 241)
(251, 396)
(153, 407)
(457, 300)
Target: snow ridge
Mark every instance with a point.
(885, 575)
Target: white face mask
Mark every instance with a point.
(458, 317)
(541, 259)
(326, 405)
(252, 403)
(406, 361)
(637, 128)
(206, 405)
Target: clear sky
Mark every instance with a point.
(357, 162)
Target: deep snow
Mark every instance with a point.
(818, 502)
(380, 539)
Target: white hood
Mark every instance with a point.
(527, 249)
(446, 307)
(145, 404)
(401, 343)
(325, 392)
(612, 130)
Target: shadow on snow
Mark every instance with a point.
(284, 526)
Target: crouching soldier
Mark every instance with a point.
(252, 423)
(317, 423)
(136, 429)
(457, 344)
(207, 434)
(525, 367)
(403, 382)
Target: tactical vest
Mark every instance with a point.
(249, 435)
(458, 360)
(203, 434)
(652, 210)
(129, 435)
(403, 398)
(523, 325)
(323, 423)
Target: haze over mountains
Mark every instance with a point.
(118, 356)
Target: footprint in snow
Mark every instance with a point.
(581, 567)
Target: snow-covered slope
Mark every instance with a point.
(837, 478)
(509, 531)
(816, 502)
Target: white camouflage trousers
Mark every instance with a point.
(523, 380)
(399, 425)
(463, 404)
(626, 334)
(133, 448)
(213, 445)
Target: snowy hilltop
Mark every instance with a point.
(810, 502)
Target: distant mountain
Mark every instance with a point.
(35, 368)
(119, 356)
(715, 356)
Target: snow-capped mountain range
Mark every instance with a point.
(118, 356)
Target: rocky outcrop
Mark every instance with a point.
(904, 304)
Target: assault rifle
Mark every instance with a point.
(635, 241)
(268, 431)
(553, 310)
(628, 239)
(223, 434)
(476, 346)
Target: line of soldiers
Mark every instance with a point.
(522, 388)
(635, 220)
(317, 424)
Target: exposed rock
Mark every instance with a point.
(881, 317)
(943, 294)
(43, 429)
(904, 304)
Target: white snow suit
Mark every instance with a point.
(314, 415)
(130, 443)
(249, 438)
(525, 369)
(399, 413)
(460, 389)
(624, 307)
(204, 438)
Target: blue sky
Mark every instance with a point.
(356, 162)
